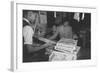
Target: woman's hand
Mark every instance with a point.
(48, 44)
(49, 50)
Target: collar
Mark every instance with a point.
(26, 20)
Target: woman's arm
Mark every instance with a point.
(34, 48)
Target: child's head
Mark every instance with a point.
(66, 23)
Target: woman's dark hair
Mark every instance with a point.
(25, 12)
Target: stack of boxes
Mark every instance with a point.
(65, 49)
